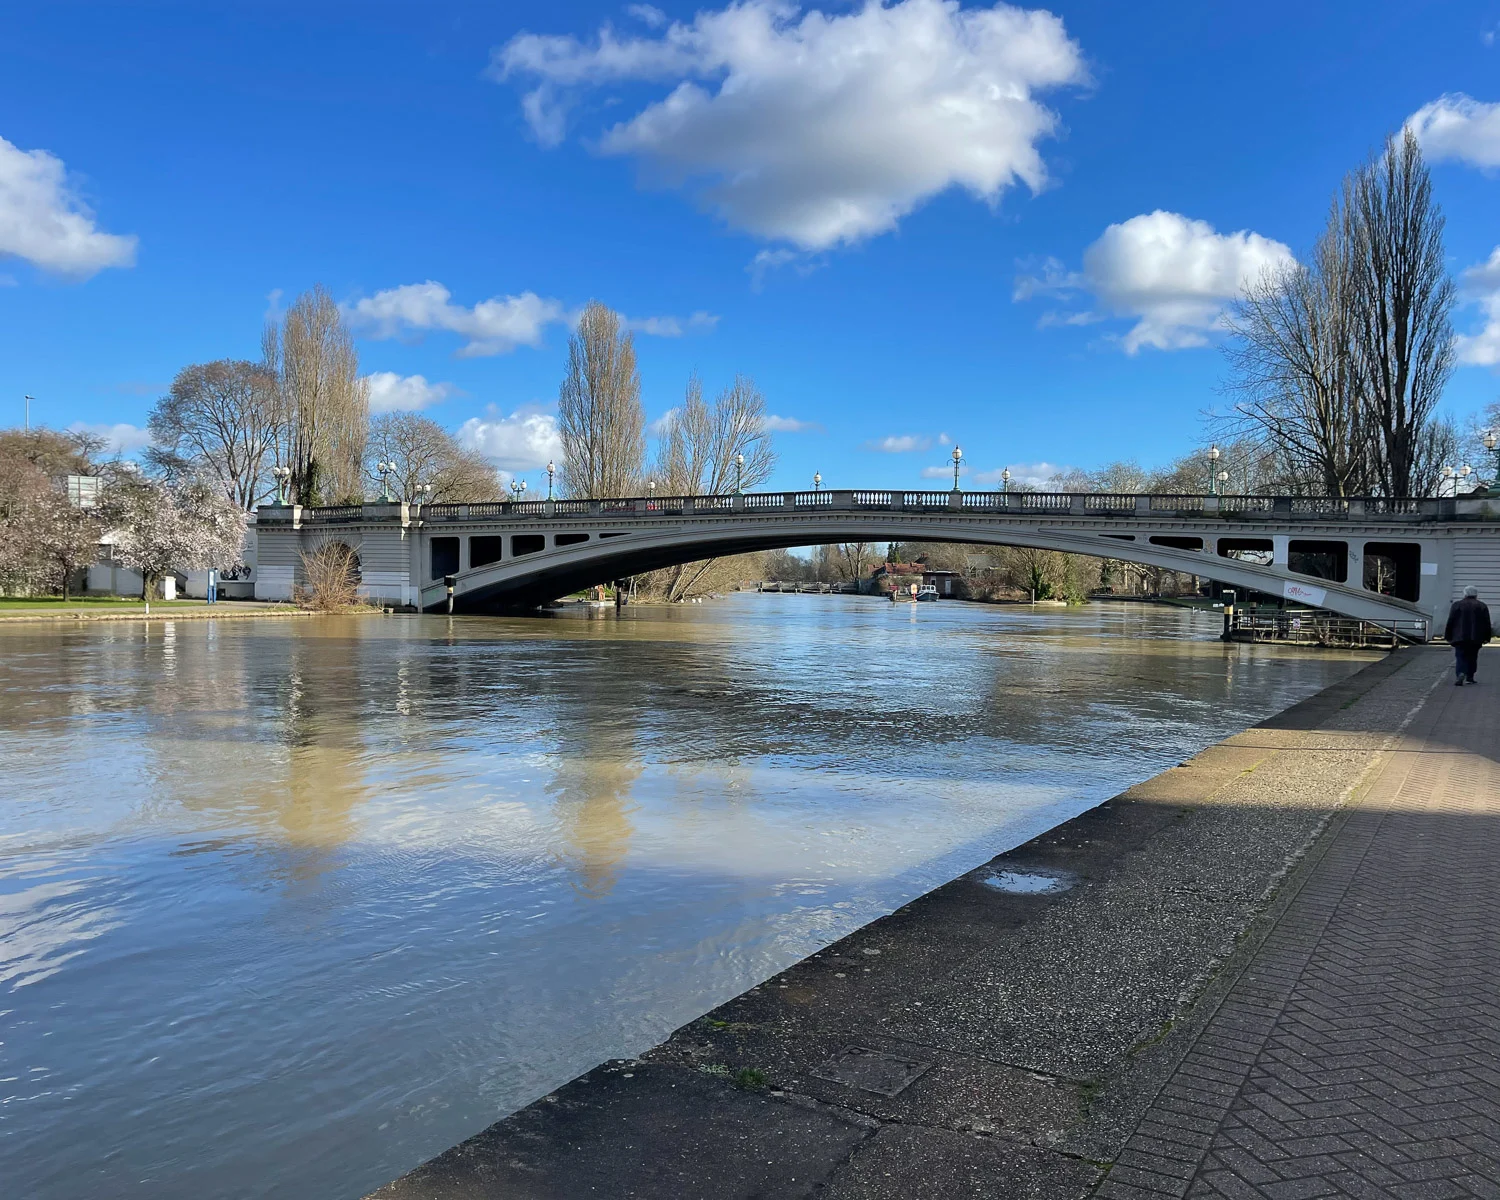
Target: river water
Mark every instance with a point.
(287, 906)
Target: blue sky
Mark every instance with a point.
(1013, 228)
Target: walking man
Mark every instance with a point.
(1468, 629)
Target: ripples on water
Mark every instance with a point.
(295, 904)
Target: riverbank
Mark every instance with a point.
(161, 610)
(1002, 1035)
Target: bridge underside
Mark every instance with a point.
(553, 572)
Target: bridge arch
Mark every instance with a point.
(550, 571)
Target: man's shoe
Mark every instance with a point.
(1459, 682)
(1472, 679)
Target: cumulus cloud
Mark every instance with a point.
(819, 129)
(494, 326)
(1459, 127)
(44, 222)
(775, 424)
(390, 392)
(671, 327)
(120, 438)
(522, 441)
(1023, 475)
(1172, 275)
(1480, 284)
(900, 444)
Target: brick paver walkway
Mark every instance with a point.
(1359, 1053)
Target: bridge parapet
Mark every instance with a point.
(1092, 505)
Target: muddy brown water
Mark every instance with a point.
(288, 907)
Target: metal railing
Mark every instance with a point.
(1319, 628)
(1094, 505)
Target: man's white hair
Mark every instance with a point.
(1471, 592)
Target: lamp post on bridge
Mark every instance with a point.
(1214, 455)
(1491, 442)
(739, 474)
(817, 481)
(551, 471)
(1223, 478)
(281, 475)
(1005, 481)
(386, 469)
(517, 489)
(958, 457)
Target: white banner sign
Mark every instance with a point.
(1304, 593)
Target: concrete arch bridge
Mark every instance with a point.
(1379, 559)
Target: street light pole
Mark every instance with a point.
(739, 474)
(1492, 443)
(1005, 481)
(1213, 465)
(958, 457)
(817, 481)
(551, 471)
(26, 427)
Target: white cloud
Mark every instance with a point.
(699, 322)
(1459, 127)
(662, 426)
(118, 439)
(1027, 475)
(1481, 285)
(45, 223)
(647, 14)
(390, 392)
(775, 424)
(1172, 275)
(494, 326)
(942, 472)
(902, 444)
(523, 441)
(819, 129)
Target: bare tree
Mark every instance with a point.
(225, 420)
(426, 453)
(1340, 362)
(700, 455)
(1296, 369)
(857, 557)
(599, 409)
(326, 399)
(1403, 306)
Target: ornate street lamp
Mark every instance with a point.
(386, 469)
(739, 473)
(817, 481)
(1005, 480)
(1213, 465)
(517, 489)
(1491, 441)
(551, 471)
(281, 475)
(1223, 478)
(1463, 476)
(651, 488)
(1447, 476)
(425, 493)
(958, 457)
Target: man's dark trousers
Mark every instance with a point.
(1466, 659)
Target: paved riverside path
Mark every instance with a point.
(1268, 972)
(1359, 1052)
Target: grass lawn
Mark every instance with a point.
(92, 604)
